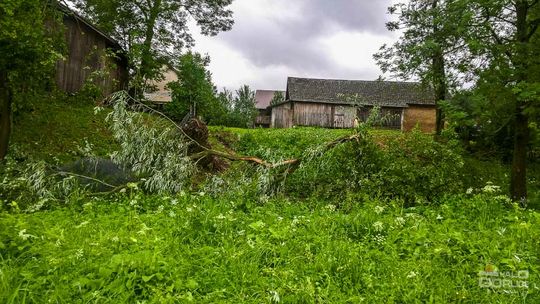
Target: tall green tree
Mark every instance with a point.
(156, 32)
(29, 50)
(245, 109)
(194, 92)
(425, 50)
(489, 42)
(503, 38)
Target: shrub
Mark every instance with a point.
(412, 166)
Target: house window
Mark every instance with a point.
(389, 117)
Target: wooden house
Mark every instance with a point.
(91, 56)
(263, 99)
(160, 94)
(343, 103)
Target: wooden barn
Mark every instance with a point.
(90, 53)
(343, 103)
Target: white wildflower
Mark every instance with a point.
(490, 188)
(274, 296)
(379, 209)
(380, 239)
(400, 222)
(115, 239)
(79, 254)
(172, 214)
(331, 207)
(412, 275)
(25, 236)
(189, 209)
(160, 209)
(439, 217)
(378, 226)
(174, 202)
(220, 217)
(470, 191)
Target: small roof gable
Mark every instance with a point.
(368, 93)
(264, 97)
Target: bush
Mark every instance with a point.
(412, 166)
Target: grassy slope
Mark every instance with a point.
(195, 249)
(56, 128)
(231, 250)
(287, 142)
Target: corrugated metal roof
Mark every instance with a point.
(369, 93)
(264, 97)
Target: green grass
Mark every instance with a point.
(231, 248)
(198, 249)
(57, 128)
(288, 143)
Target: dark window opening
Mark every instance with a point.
(389, 118)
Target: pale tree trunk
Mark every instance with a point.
(5, 115)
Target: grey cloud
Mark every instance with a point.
(278, 41)
(350, 14)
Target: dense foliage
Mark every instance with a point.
(30, 47)
(156, 32)
(194, 248)
(491, 44)
(194, 92)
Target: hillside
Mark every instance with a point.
(58, 128)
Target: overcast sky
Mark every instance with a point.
(273, 39)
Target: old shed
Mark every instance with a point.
(334, 103)
(263, 100)
(91, 56)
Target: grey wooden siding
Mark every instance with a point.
(282, 116)
(86, 49)
(324, 115)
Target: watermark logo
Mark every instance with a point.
(507, 281)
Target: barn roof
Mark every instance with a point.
(68, 12)
(369, 93)
(264, 97)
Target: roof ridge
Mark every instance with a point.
(354, 80)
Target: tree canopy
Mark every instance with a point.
(492, 43)
(194, 92)
(156, 32)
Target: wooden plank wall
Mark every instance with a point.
(324, 115)
(86, 49)
(423, 116)
(282, 116)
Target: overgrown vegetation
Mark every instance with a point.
(118, 203)
(194, 248)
